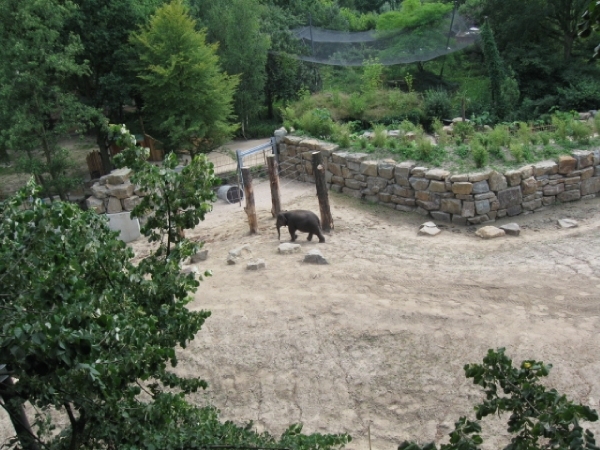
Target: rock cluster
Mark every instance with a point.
(114, 193)
(462, 199)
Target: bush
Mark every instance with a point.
(480, 154)
(517, 149)
(437, 104)
(581, 132)
(357, 105)
(425, 149)
(317, 122)
(341, 134)
(463, 130)
(380, 136)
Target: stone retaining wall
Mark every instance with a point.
(470, 198)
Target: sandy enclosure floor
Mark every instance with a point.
(377, 339)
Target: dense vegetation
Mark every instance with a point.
(73, 66)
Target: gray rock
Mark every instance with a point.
(489, 232)
(256, 264)
(567, 223)
(441, 216)
(119, 176)
(120, 191)
(114, 205)
(244, 250)
(95, 204)
(419, 184)
(190, 269)
(429, 229)
(512, 229)
(99, 190)
(314, 256)
(497, 181)
(202, 255)
(510, 197)
(130, 202)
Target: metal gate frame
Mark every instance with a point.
(241, 154)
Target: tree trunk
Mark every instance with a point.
(4, 153)
(103, 147)
(14, 406)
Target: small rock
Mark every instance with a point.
(190, 269)
(231, 260)
(288, 248)
(489, 232)
(241, 251)
(256, 264)
(315, 257)
(200, 256)
(428, 225)
(512, 229)
(429, 229)
(567, 223)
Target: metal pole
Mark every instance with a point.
(448, 40)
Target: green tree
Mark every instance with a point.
(37, 104)
(411, 27)
(188, 100)
(243, 47)
(539, 418)
(103, 27)
(590, 22)
(92, 337)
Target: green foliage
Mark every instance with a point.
(495, 68)
(413, 14)
(188, 99)
(372, 75)
(437, 104)
(341, 135)
(357, 105)
(358, 21)
(480, 154)
(463, 130)
(379, 136)
(39, 58)
(539, 418)
(316, 122)
(426, 150)
(174, 200)
(518, 151)
(243, 47)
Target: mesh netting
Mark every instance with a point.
(341, 48)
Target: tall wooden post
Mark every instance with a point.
(319, 173)
(249, 194)
(274, 179)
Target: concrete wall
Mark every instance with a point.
(468, 198)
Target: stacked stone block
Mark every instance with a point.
(462, 199)
(114, 193)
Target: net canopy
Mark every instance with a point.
(403, 46)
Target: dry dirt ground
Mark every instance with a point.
(377, 339)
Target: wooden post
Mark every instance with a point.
(319, 173)
(249, 194)
(274, 178)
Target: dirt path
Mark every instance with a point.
(378, 337)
